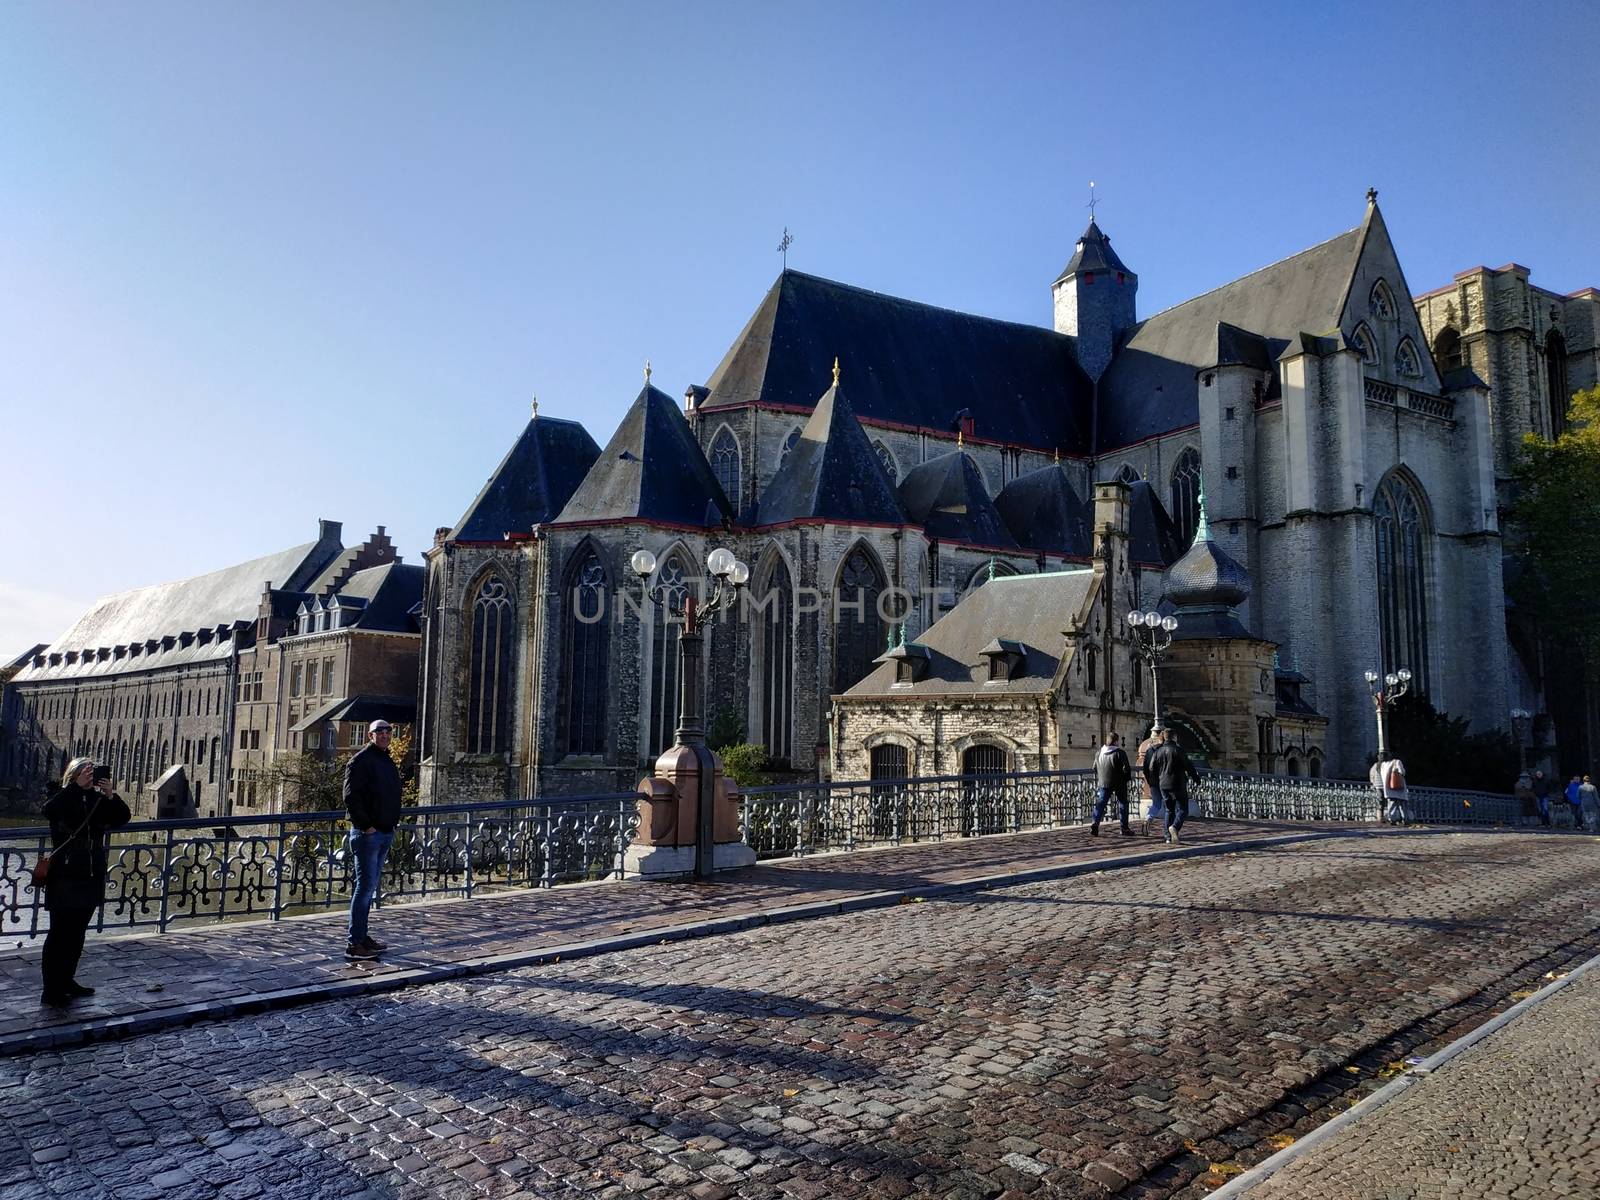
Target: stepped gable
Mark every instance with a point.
(1149, 389)
(218, 600)
(1043, 513)
(1153, 538)
(910, 364)
(947, 497)
(1027, 611)
(831, 474)
(652, 469)
(533, 482)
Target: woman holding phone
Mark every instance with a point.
(80, 815)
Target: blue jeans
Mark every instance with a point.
(1177, 811)
(369, 850)
(1102, 797)
(1157, 803)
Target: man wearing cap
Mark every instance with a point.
(372, 796)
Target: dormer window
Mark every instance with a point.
(1381, 302)
(1005, 659)
(911, 662)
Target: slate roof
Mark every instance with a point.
(652, 469)
(1031, 610)
(909, 364)
(831, 474)
(218, 599)
(389, 593)
(947, 497)
(400, 710)
(1149, 388)
(1153, 538)
(1094, 253)
(533, 482)
(1043, 512)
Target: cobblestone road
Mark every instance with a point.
(1117, 1032)
(1515, 1117)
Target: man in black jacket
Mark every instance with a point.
(372, 796)
(1168, 768)
(1112, 773)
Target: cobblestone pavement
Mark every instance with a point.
(1122, 1031)
(211, 968)
(1516, 1117)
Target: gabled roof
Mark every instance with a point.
(533, 482)
(387, 595)
(218, 599)
(908, 364)
(1149, 388)
(652, 469)
(947, 497)
(1043, 512)
(1094, 253)
(1032, 611)
(1152, 536)
(832, 473)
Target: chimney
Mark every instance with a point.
(1112, 515)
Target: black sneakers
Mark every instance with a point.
(372, 943)
(359, 950)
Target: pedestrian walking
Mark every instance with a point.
(1396, 796)
(1156, 810)
(1527, 806)
(1375, 781)
(372, 798)
(1112, 774)
(1541, 796)
(80, 815)
(1167, 767)
(1589, 801)
(1575, 800)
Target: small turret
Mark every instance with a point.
(1094, 300)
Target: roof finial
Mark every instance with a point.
(1093, 200)
(902, 635)
(835, 370)
(1202, 529)
(647, 372)
(783, 246)
(991, 568)
(1372, 195)
(536, 406)
(1058, 456)
(960, 438)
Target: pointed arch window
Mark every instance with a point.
(1185, 492)
(860, 634)
(776, 678)
(789, 443)
(1381, 301)
(725, 463)
(491, 668)
(673, 579)
(1447, 350)
(585, 642)
(1364, 342)
(1555, 370)
(887, 459)
(1126, 474)
(1398, 511)
(1406, 362)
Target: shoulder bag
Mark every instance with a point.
(41, 869)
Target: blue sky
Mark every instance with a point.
(264, 264)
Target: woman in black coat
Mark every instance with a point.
(80, 814)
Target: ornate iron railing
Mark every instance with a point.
(162, 872)
(798, 819)
(1379, 392)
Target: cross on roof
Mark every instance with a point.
(1093, 200)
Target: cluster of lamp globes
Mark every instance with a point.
(720, 562)
(1392, 679)
(1152, 621)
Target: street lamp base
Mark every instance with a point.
(661, 863)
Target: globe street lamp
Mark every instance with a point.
(1394, 685)
(1152, 637)
(681, 605)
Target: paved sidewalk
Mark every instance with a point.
(1513, 1118)
(150, 981)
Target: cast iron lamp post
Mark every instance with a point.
(1152, 637)
(1395, 684)
(681, 605)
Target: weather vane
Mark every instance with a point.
(1092, 200)
(783, 246)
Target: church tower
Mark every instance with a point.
(1094, 300)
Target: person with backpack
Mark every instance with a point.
(1112, 774)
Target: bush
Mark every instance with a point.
(725, 729)
(745, 764)
(1439, 750)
